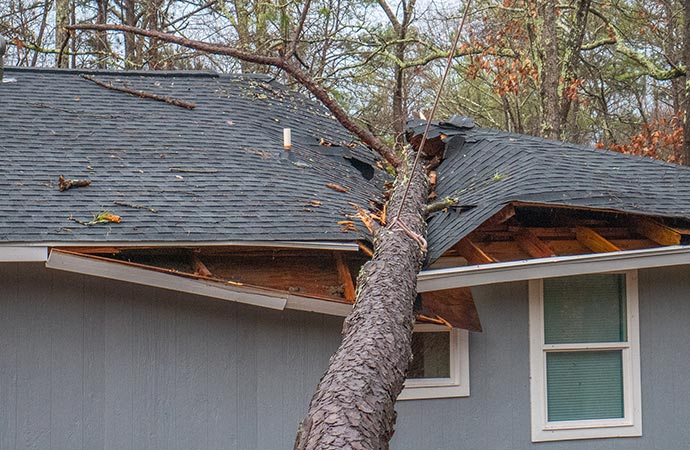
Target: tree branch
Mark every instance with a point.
(298, 30)
(440, 205)
(281, 63)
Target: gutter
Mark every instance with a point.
(23, 254)
(434, 280)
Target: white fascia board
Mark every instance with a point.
(116, 271)
(318, 306)
(268, 299)
(434, 280)
(23, 254)
(314, 245)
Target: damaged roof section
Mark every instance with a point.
(214, 173)
(486, 170)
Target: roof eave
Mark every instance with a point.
(439, 279)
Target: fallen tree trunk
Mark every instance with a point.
(353, 406)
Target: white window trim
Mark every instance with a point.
(631, 424)
(458, 384)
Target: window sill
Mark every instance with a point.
(564, 432)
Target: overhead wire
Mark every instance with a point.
(449, 63)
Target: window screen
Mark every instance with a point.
(430, 355)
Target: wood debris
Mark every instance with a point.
(337, 187)
(131, 205)
(68, 184)
(179, 169)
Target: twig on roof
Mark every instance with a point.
(178, 169)
(160, 98)
(131, 205)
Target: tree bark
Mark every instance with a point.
(101, 36)
(685, 157)
(131, 53)
(62, 14)
(550, 74)
(353, 406)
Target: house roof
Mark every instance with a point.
(215, 173)
(488, 169)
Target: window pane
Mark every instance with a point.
(584, 385)
(586, 308)
(430, 355)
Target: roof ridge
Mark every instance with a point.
(138, 73)
(572, 146)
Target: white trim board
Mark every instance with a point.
(258, 297)
(23, 254)
(559, 266)
(630, 425)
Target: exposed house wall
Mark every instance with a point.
(87, 363)
(90, 364)
(496, 416)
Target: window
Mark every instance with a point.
(440, 364)
(584, 357)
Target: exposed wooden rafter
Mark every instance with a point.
(472, 253)
(532, 245)
(345, 277)
(594, 241)
(657, 232)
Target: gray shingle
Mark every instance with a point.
(56, 123)
(493, 168)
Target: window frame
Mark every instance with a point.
(631, 423)
(458, 384)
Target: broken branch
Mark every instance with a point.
(440, 205)
(68, 184)
(160, 98)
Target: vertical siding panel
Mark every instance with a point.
(164, 365)
(222, 349)
(94, 364)
(246, 386)
(9, 330)
(154, 370)
(191, 398)
(34, 315)
(119, 380)
(293, 377)
(67, 373)
(271, 348)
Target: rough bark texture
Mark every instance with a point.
(353, 406)
(686, 61)
(551, 127)
(62, 10)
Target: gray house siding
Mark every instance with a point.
(87, 363)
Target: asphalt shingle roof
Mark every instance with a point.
(231, 180)
(487, 169)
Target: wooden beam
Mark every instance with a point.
(345, 277)
(532, 245)
(657, 232)
(472, 253)
(503, 215)
(594, 241)
(199, 267)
